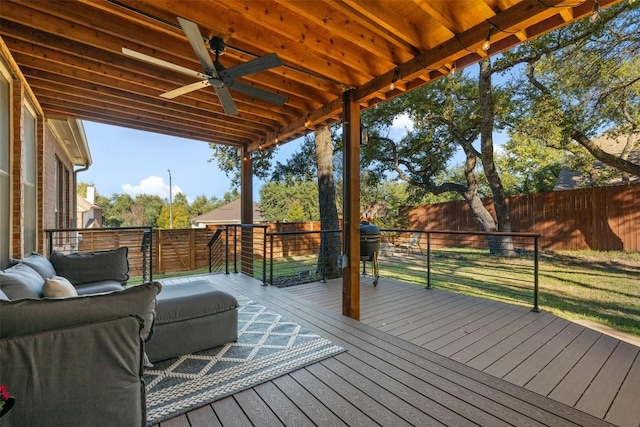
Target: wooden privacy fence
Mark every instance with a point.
(601, 218)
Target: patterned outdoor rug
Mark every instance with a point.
(269, 345)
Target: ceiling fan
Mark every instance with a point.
(215, 75)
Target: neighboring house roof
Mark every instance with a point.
(89, 215)
(227, 214)
(569, 179)
(85, 205)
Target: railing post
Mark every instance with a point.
(271, 260)
(264, 256)
(235, 248)
(50, 234)
(226, 251)
(428, 260)
(535, 275)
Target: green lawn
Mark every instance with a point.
(603, 287)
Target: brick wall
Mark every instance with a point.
(47, 150)
(17, 200)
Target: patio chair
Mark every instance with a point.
(412, 244)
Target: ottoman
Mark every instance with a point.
(192, 317)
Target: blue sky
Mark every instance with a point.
(134, 162)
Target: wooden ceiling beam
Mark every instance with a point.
(453, 49)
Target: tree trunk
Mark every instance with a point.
(329, 242)
(491, 172)
(480, 213)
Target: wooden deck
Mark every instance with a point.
(431, 357)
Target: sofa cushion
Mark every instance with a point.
(21, 281)
(3, 296)
(40, 264)
(80, 375)
(98, 287)
(47, 314)
(92, 266)
(58, 287)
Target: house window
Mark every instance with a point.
(5, 136)
(29, 180)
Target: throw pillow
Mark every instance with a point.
(87, 267)
(58, 287)
(21, 281)
(39, 264)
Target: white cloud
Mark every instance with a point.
(401, 124)
(153, 185)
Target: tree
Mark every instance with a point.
(203, 205)
(446, 115)
(528, 167)
(291, 201)
(180, 215)
(330, 242)
(566, 103)
(113, 211)
(151, 206)
(381, 202)
(134, 217)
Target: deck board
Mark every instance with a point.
(383, 379)
(284, 408)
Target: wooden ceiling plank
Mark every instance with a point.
(283, 74)
(78, 111)
(123, 35)
(266, 32)
(334, 24)
(125, 74)
(452, 18)
(83, 96)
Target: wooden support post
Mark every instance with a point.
(246, 213)
(351, 203)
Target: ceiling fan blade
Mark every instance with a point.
(225, 99)
(259, 64)
(197, 43)
(163, 63)
(258, 93)
(185, 89)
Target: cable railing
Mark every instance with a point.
(496, 264)
(490, 264)
(297, 257)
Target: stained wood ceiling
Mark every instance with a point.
(71, 55)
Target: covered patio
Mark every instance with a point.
(431, 357)
(109, 62)
(338, 58)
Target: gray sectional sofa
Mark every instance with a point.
(74, 339)
(89, 273)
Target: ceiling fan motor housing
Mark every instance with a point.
(217, 45)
